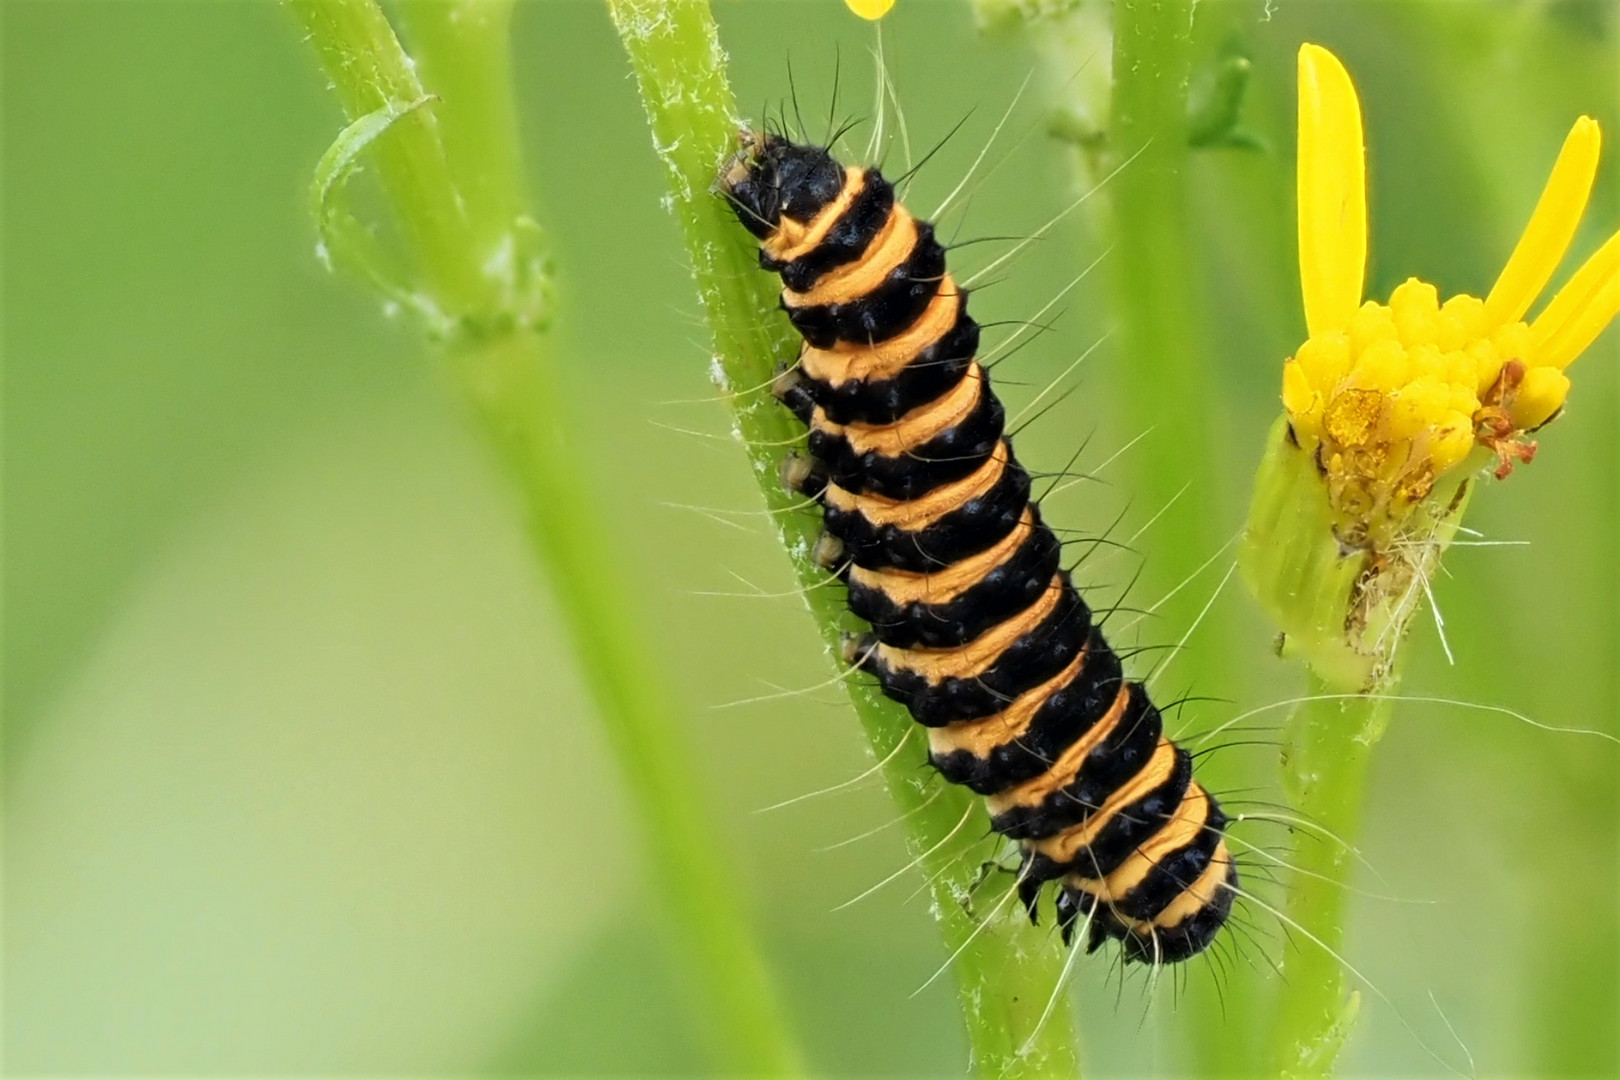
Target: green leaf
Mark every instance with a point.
(343, 239)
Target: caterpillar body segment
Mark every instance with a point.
(976, 627)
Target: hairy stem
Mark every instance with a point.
(452, 173)
(1319, 592)
(1008, 975)
(1328, 742)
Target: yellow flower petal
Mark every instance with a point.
(1552, 225)
(870, 9)
(1332, 187)
(1580, 311)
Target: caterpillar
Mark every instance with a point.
(929, 521)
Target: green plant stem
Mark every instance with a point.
(509, 382)
(455, 187)
(1165, 369)
(1007, 973)
(1344, 613)
(1312, 587)
(1328, 742)
(460, 48)
(1166, 387)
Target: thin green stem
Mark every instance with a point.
(1008, 975)
(460, 48)
(1328, 742)
(509, 381)
(455, 187)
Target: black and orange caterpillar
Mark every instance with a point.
(976, 627)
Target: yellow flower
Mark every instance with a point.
(1389, 397)
(871, 10)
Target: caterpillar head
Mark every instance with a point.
(771, 178)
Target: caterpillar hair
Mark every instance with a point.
(976, 628)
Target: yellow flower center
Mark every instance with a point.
(1407, 389)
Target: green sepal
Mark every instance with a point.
(1295, 566)
(1343, 607)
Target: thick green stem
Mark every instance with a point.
(1328, 742)
(1166, 387)
(455, 185)
(1164, 369)
(1307, 582)
(1007, 974)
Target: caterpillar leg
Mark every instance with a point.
(792, 389)
(803, 475)
(857, 649)
(828, 552)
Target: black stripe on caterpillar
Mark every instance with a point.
(975, 626)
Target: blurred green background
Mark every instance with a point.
(299, 774)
